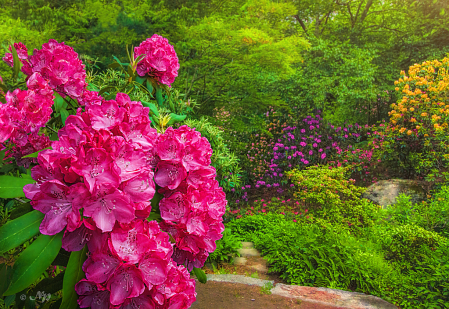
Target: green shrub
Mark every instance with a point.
(313, 255)
(227, 248)
(432, 215)
(333, 197)
(408, 245)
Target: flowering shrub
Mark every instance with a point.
(417, 135)
(160, 61)
(145, 203)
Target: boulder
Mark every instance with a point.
(385, 192)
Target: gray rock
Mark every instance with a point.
(331, 297)
(385, 192)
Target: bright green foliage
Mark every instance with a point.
(431, 215)
(225, 162)
(409, 244)
(311, 255)
(334, 198)
(227, 248)
(334, 77)
(245, 43)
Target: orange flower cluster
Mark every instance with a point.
(424, 107)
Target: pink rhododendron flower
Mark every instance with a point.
(60, 66)
(160, 61)
(22, 53)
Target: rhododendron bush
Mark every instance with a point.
(144, 203)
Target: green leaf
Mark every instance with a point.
(152, 108)
(17, 64)
(21, 210)
(9, 299)
(140, 79)
(62, 259)
(199, 273)
(149, 86)
(5, 274)
(35, 154)
(159, 98)
(73, 274)
(16, 232)
(176, 118)
(11, 187)
(59, 102)
(49, 285)
(33, 261)
(103, 90)
(64, 115)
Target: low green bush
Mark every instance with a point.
(227, 248)
(328, 193)
(409, 245)
(314, 255)
(432, 215)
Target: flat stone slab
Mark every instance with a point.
(247, 245)
(238, 279)
(260, 267)
(248, 252)
(240, 261)
(331, 297)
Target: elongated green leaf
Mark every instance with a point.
(176, 118)
(64, 115)
(199, 273)
(49, 285)
(73, 274)
(140, 79)
(62, 259)
(159, 98)
(21, 210)
(152, 108)
(103, 90)
(11, 187)
(59, 102)
(5, 274)
(35, 154)
(16, 232)
(9, 299)
(149, 86)
(33, 261)
(17, 64)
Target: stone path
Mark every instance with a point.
(318, 297)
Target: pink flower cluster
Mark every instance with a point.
(25, 111)
(34, 143)
(193, 203)
(58, 64)
(22, 53)
(160, 59)
(98, 181)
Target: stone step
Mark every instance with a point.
(239, 261)
(247, 245)
(248, 252)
